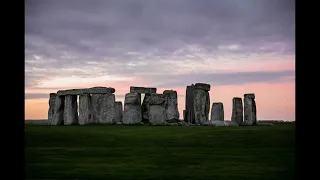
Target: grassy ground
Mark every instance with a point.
(155, 152)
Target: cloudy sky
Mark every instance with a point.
(237, 46)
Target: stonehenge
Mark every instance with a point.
(98, 105)
(250, 112)
(217, 112)
(237, 110)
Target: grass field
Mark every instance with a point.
(160, 152)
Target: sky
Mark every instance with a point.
(237, 47)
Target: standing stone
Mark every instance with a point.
(189, 109)
(171, 105)
(217, 112)
(85, 109)
(250, 112)
(157, 112)
(96, 102)
(237, 110)
(108, 110)
(207, 108)
(70, 110)
(52, 100)
(58, 111)
(200, 109)
(132, 109)
(119, 111)
(145, 108)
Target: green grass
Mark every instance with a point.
(160, 152)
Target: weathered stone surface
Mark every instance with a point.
(217, 112)
(202, 86)
(58, 111)
(70, 110)
(157, 114)
(96, 102)
(250, 96)
(119, 111)
(237, 110)
(200, 103)
(85, 110)
(250, 112)
(93, 90)
(108, 110)
(134, 89)
(132, 98)
(189, 108)
(145, 108)
(156, 99)
(171, 105)
(52, 99)
(132, 109)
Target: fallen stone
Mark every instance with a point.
(108, 110)
(58, 111)
(222, 123)
(93, 90)
(202, 86)
(217, 112)
(119, 111)
(52, 99)
(85, 110)
(237, 111)
(70, 110)
(250, 112)
(97, 103)
(200, 103)
(132, 109)
(171, 105)
(134, 89)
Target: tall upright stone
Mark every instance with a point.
(171, 105)
(189, 109)
(52, 99)
(58, 114)
(237, 110)
(85, 110)
(70, 110)
(132, 109)
(250, 111)
(145, 108)
(157, 112)
(96, 102)
(119, 111)
(108, 110)
(217, 112)
(201, 103)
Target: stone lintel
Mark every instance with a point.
(93, 90)
(134, 89)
